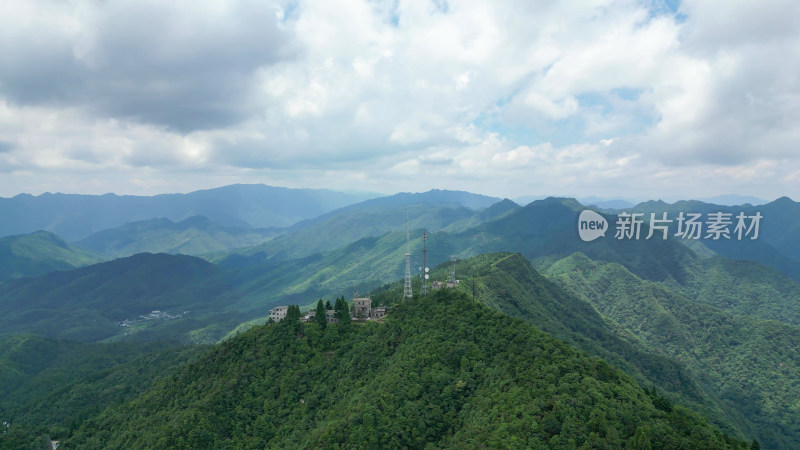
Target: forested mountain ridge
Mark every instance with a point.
(440, 371)
(751, 363)
(451, 211)
(88, 303)
(194, 236)
(50, 386)
(38, 253)
(508, 283)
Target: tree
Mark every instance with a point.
(328, 305)
(319, 316)
(341, 310)
(293, 313)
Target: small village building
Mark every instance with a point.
(362, 308)
(278, 313)
(329, 316)
(449, 284)
(378, 312)
(309, 316)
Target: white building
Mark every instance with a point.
(278, 313)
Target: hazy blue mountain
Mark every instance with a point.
(437, 196)
(734, 199)
(194, 236)
(525, 199)
(777, 245)
(548, 228)
(606, 203)
(73, 216)
(31, 255)
(247, 284)
(433, 210)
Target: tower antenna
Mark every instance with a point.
(424, 289)
(407, 293)
(454, 260)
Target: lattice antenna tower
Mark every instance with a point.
(407, 292)
(454, 259)
(424, 289)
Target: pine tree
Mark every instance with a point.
(319, 316)
(341, 310)
(293, 313)
(328, 305)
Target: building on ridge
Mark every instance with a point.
(278, 313)
(361, 308)
(378, 312)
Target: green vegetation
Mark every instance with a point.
(193, 236)
(753, 364)
(441, 371)
(38, 253)
(86, 304)
(50, 386)
(508, 283)
(742, 288)
(377, 217)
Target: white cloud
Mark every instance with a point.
(507, 97)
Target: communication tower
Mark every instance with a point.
(407, 292)
(424, 289)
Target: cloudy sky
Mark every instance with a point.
(612, 98)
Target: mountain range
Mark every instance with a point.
(696, 323)
(74, 216)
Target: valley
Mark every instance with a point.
(710, 333)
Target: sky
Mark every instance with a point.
(606, 98)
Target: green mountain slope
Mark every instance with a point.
(49, 386)
(442, 372)
(743, 288)
(193, 236)
(547, 229)
(508, 283)
(433, 211)
(753, 364)
(89, 303)
(38, 253)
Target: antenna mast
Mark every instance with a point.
(454, 260)
(424, 289)
(407, 293)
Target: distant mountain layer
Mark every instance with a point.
(193, 236)
(38, 253)
(247, 283)
(777, 244)
(733, 199)
(433, 211)
(442, 372)
(74, 216)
